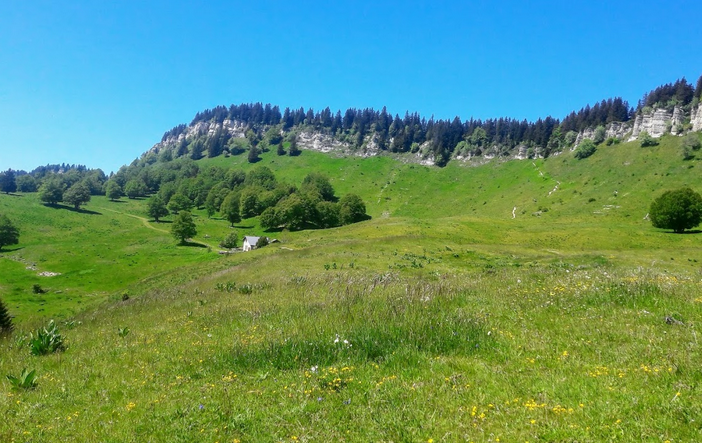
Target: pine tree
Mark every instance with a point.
(253, 154)
(5, 320)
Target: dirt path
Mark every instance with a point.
(145, 222)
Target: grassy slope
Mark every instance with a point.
(567, 311)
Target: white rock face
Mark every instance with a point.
(321, 142)
(235, 128)
(696, 118)
(614, 129)
(656, 123)
(677, 121)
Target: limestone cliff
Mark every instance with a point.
(658, 122)
(696, 118)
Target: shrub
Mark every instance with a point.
(599, 135)
(646, 140)
(585, 149)
(46, 340)
(678, 210)
(691, 141)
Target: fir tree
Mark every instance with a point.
(5, 320)
(293, 151)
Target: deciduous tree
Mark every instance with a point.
(678, 210)
(77, 195)
(183, 227)
(156, 208)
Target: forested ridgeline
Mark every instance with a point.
(440, 139)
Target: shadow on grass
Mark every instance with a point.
(692, 231)
(161, 221)
(12, 194)
(79, 210)
(117, 201)
(192, 244)
(11, 250)
(242, 226)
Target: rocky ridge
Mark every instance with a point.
(656, 122)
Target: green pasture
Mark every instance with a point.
(512, 301)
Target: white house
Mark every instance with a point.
(249, 243)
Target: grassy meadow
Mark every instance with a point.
(478, 304)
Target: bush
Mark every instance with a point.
(46, 340)
(691, 141)
(229, 241)
(646, 140)
(599, 135)
(678, 210)
(585, 149)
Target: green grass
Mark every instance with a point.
(442, 318)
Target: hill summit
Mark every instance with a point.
(671, 108)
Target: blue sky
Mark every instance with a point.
(98, 83)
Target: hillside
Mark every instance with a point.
(540, 209)
(511, 297)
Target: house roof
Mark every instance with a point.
(251, 240)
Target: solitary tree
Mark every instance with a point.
(113, 190)
(77, 195)
(678, 210)
(51, 191)
(7, 181)
(156, 208)
(230, 241)
(183, 227)
(293, 150)
(9, 234)
(253, 154)
(5, 320)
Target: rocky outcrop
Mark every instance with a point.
(614, 130)
(677, 121)
(316, 141)
(235, 128)
(696, 118)
(658, 122)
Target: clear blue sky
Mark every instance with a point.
(98, 83)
